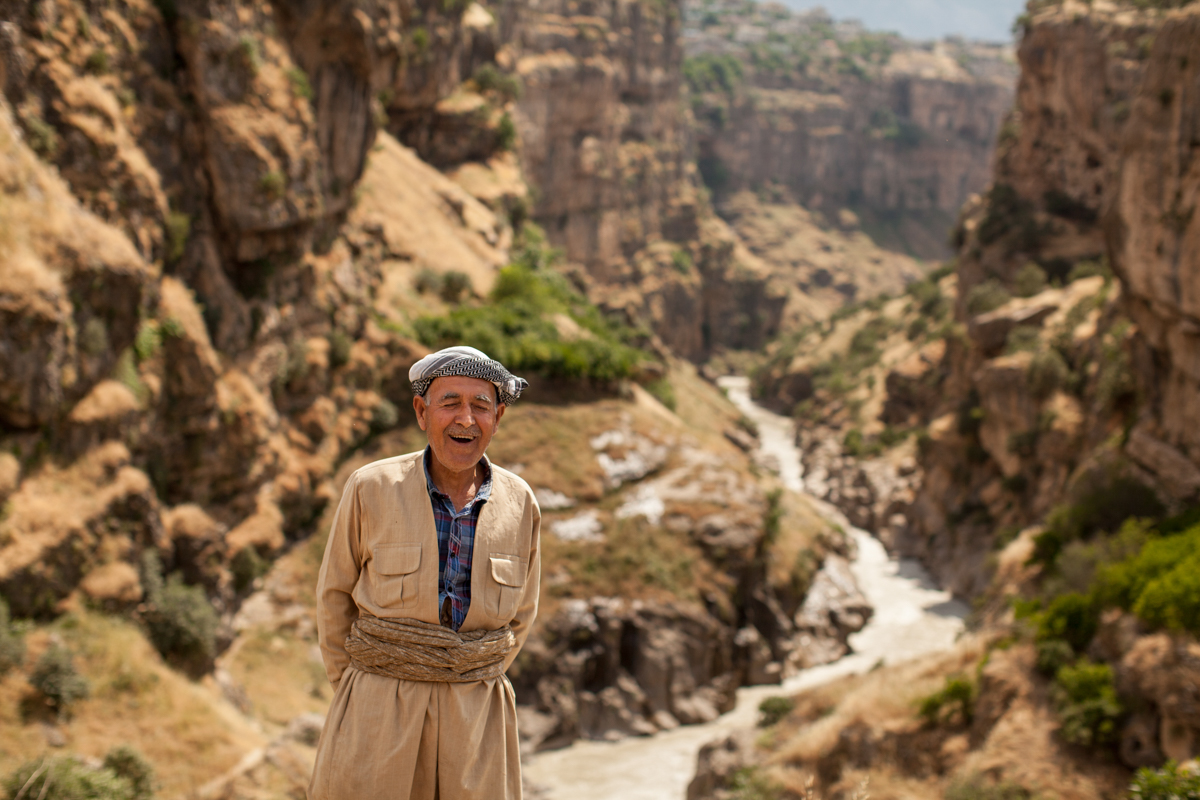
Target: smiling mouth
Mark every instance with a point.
(462, 438)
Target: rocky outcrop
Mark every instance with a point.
(1047, 377)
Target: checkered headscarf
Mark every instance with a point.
(470, 363)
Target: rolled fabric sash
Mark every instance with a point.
(411, 650)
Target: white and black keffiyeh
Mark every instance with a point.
(469, 363)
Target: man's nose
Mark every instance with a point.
(465, 416)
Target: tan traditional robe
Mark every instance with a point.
(411, 740)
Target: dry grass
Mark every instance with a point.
(281, 674)
(186, 730)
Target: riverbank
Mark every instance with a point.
(912, 618)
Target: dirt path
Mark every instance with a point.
(912, 617)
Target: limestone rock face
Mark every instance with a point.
(1088, 173)
(71, 291)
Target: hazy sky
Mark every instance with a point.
(927, 19)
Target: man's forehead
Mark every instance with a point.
(461, 385)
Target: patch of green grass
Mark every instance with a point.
(489, 79)
(1170, 782)
(987, 296)
(67, 778)
(178, 230)
(301, 86)
(272, 184)
(774, 709)
(1087, 704)
(515, 325)
(663, 391)
(97, 62)
(55, 677)
(954, 703)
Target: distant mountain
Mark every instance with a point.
(990, 20)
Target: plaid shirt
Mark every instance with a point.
(456, 543)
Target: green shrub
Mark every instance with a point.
(487, 78)
(128, 763)
(1168, 783)
(301, 86)
(67, 778)
(1161, 584)
(987, 296)
(1048, 372)
(506, 132)
(181, 624)
(1087, 704)
(340, 345)
(1089, 268)
(178, 230)
(454, 285)
(55, 677)
(681, 261)
(246, 567)
(663, 391)
(1053, 655)
(749, 783)
(1009, 216)
(516, 328)
(1072, 618)
(954, 702)
(272, 184)
(1029, 280)
(1023, 338)
(97, 62)
(710, 73)
(773, 709)
(1102, 508)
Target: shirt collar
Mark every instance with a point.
(482, 493)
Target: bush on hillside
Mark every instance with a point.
(978, 788)
(1070, 618)
(987, 296)
(1053, 655)
(1087, 704)
(1161, 584)
(517, 325)
(953, 703)
(55, 677)
(1168, 783)
(773, 709)
(128, 763)
(181, 624)
(1048, 372)
(68, 778)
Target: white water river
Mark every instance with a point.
(912, 617)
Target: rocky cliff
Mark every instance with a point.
(852, 123)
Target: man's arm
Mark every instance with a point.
(529, 600)
(336, 609)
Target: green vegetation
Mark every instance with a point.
(68, 778)
(749, 783)
(488, 79)
(55, 677)
(42, 137)
(247, 55)
(1048, 372)
(128, 763)
(179, 620)
(1030, 280)
(1168, 783)
(1086, 700)
(954, 703)
(301, 86)
(97, 62)
(246, 567)
(272, 184)
(681, 261)
(178, 230)
(506, 132)
(663, 391)
(773, 709)
(713, 73)
(516, 324)
(987, 296)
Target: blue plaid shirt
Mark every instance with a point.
(456, 543)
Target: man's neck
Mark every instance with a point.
(459, 486)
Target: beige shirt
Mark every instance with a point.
(409, 740)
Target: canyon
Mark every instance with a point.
(228, 228)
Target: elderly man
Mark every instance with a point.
(425, 596)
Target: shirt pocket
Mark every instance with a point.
(508, 575)
(393, 570)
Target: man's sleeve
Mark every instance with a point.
(529, 600)
(336, 609)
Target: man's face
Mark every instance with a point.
(460, 417)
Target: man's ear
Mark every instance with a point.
(420, 407)
(500, 413)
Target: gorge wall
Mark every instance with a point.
(849, 122)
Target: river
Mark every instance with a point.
(912, 617)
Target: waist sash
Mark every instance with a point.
(412, 650)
